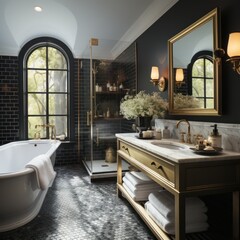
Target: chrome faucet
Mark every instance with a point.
(189, 132)
(53, 129)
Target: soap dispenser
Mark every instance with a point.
(215, 139)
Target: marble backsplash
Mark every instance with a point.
(230, 132)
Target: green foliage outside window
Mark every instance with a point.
(47, 91)
(202, 82)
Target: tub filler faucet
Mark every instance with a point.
(50, 126)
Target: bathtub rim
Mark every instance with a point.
(54, 146)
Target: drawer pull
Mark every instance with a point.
(159, 167)
(126, 149)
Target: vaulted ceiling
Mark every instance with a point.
(116, 23)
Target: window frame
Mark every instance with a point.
(24, 54)
(205, 55)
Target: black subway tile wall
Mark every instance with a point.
(9, 101)
(126, 63)
(122, 69)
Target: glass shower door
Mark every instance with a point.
(107, 85)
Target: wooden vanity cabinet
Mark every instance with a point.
(182, 179)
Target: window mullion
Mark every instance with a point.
(47, 92)
(205, 82)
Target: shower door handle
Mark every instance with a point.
(88, 118)
(97, 140)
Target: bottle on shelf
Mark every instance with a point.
(114, 88)
(108, 113)
(97, 87)
(121, 87)
(108, 86)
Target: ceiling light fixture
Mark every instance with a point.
(38, 9)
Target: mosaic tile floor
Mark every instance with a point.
(75, 209)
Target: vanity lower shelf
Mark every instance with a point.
(157, 231)
(142, 212)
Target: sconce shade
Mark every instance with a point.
(233, 48)
(179, 75)
(161, 83)
(154, 73)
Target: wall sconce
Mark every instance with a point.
(233, 50)
(161, 83)
(179, 77)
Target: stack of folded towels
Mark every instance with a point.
(139, 185)
(160, 208)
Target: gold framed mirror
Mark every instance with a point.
(194, 73)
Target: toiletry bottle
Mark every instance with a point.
(166, 132)
(108, 86)
(215, 139)
(121, 87)
(158, 133)
(97, 88)
(108, 113)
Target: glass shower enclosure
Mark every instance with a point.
(109, 82)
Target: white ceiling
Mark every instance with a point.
(116, 23)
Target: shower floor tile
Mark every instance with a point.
(99, 166)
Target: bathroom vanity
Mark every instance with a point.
(182, 172)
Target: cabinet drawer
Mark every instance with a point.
(157, 164)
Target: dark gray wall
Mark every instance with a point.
(152, 50)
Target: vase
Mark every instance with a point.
(143, 123)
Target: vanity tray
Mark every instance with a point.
(139, 137)
(207, 152)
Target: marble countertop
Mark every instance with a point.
(183, 154)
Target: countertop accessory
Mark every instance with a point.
(166, 133)
(214, 151)
(215, 139)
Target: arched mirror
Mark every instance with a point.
(194, 73)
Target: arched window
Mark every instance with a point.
(202, 77)
(46, 89)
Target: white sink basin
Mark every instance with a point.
(169, 145)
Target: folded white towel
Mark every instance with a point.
(169, 226)
(149, 187)
(141, 176)
(44, 170)
(137, 181)
(164, 202)
(139, 196)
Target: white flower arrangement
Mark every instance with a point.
(185, 101)
(143, 105)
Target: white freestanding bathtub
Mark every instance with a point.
(20, 197)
